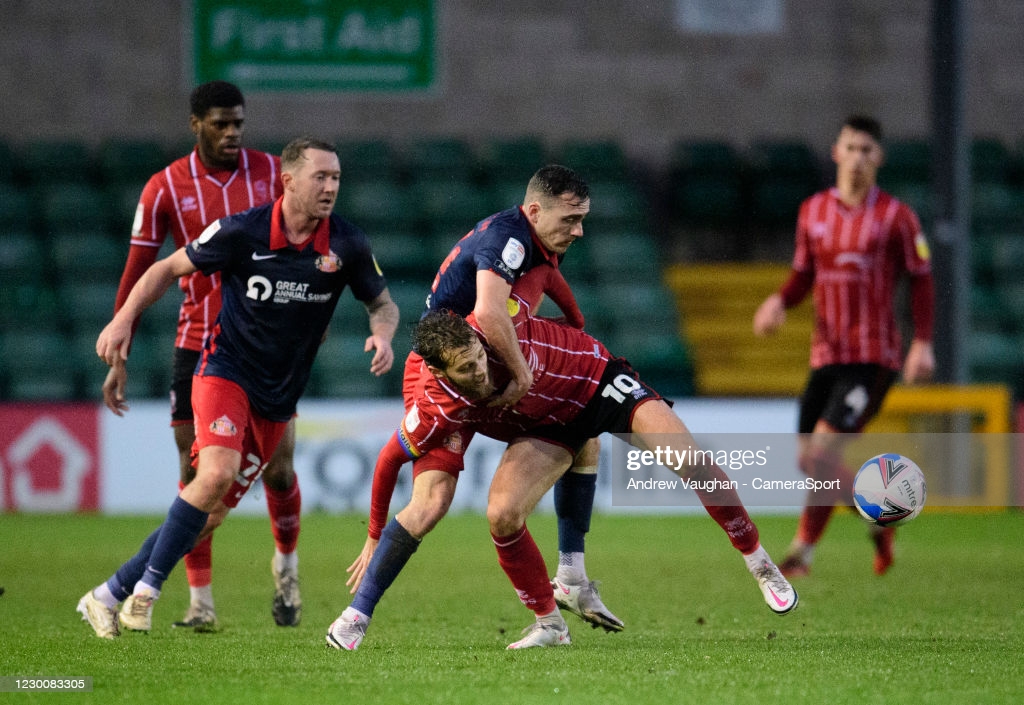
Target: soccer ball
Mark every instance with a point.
(889, 490)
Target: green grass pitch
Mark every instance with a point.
(944, 626)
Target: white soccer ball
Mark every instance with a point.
(889, 490)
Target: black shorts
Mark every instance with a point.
(610, 410)
(844, 396)
(182, 369)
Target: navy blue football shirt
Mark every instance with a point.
(277, 300)
(503, 243)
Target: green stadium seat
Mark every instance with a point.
(447, 202)
(129, 161)
(28, 305)
(162, 317)
(75, 206)
(708, 200)
(775, 199)
(88, 256)
(623, 256)
(995, 357)
(996, 205)
(377, 205)
(594, 160)
(87, 306)
(439, 157)
(366, 158)
(704, 157)
(1008, 257)
(46, 161)
(342, 369)
(37, 366)
(123, 201)
(17, 210)
(577, 265)
(506, 193)
(512, 159)
(991, 161)
(786, 157)
(23, 259)
(10, 166)
(659, 357)
(405, 256)
(616, 204)
(906, 160)
(916, 194)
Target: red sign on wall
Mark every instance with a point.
(49, 457)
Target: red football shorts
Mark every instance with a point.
(224, 418)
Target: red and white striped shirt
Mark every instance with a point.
(855, 257)
(182, 200)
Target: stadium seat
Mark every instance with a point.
(128, 161)
(361, 159)
(342, 369)
(88, 256)
(448, 202)
(991, 161)
(377, 205)
(27, 305)
(594, 160)
(17, 210)
(782, 174)
(162, 317)
(87, 306)
(623, 256)
(1008, 257)
(659, 357)
(616, 204)
(23, 259)
(512, 159)
(46, 161)
(123, 201)
(37, 366)
(708, 200)
(506, 193)
(906, 160)
(995, 205)
(405, 256)
(74, 206)
(995, 357)
(916, 194)
(10, 166)
(439, 157)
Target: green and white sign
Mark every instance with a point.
(315, 45)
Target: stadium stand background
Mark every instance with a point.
(698, 148)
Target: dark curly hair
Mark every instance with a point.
(438, 333)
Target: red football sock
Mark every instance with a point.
(522, 562)
(285, 508)
(724, 505)
(824, 466)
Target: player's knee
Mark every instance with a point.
(279, 474)
(504, 519)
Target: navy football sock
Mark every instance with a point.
(574, 503)
(178, 535)
(394, 550)
(122, 582)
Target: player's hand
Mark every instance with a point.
(770, 316)
(358, 567)
(920, 363)
(116, 336)
(383, 357)
(515, 391)
(114, 388)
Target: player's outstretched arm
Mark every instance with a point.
(115, 338)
